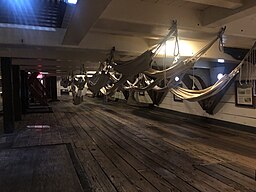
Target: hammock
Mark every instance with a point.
(77, 87)
(141, 63)
(182, 66)
(102, 76)
(178, 69)
(135, 66)
(196, 95)
(79, 82)
(98, 81)
(65, 82)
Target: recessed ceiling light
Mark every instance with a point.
(72, 1)
(221, 60)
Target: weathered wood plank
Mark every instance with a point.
(124, 120)
(124, 148)
(91, 166)
(160, 161)
(146, 172)
(121, 164)
(38, 169)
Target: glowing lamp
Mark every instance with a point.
(219, 76)
(72, 1)
(221, 60)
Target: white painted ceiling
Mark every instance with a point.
(131, 26)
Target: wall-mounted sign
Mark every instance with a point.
(244, 94)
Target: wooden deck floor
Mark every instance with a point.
(124, 148)
(40, 168)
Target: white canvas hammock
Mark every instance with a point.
(178, 69)
(141, 63)
(197, 95)
(182, 66)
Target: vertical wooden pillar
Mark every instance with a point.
(54, 88)
(16, 92)
(7, 88)
(48, 87)
(24, 91)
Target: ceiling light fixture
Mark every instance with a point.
(72, 1)
(177, 78)
(221, 60)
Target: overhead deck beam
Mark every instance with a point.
(86, 14)
(138, 11)
(52, 53)
(229, 4)
(215, 17)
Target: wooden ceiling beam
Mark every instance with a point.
(85, 15)
(216, 17)
(229, 4)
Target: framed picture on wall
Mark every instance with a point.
(244, 95)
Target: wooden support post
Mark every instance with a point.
(16, 92)
(54, 88)
(7, 88)
(48, 87)
(24, 91)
